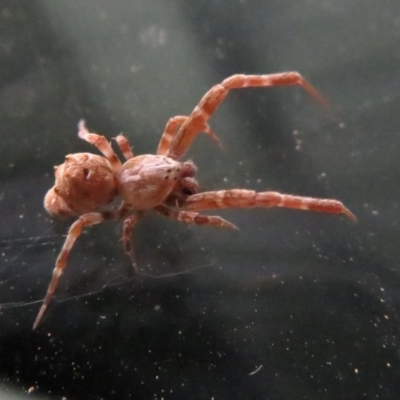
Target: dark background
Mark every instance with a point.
(311, 299)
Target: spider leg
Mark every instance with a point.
(213, 98)
(241, 198)
(101, 143)
(170, 130)
(125, 147)
(73, 234)
(127, 228)
(190, 217)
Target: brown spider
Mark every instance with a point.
(86, 182)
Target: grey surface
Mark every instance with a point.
(314, 299)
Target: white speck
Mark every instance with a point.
(256, 370)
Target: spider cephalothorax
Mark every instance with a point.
(86, 183)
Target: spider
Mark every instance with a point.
(86, 182)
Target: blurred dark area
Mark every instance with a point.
(295, 305)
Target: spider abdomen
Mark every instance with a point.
(84, 182)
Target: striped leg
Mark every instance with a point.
(125, 147)
(213, 98)
(170, 130)
(73, 234)
(127, 228)
(101, 143)
(241, 198)
(190, 217)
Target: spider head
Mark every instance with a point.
(185, 186)
(147, 180)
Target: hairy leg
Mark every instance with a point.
(190, 217)
(213, 98)
(125, 147)
(101, 143)
(127, 228)
(170, 130)
(73, 234)
(241, 198)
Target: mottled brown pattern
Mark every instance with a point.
(86, 182)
